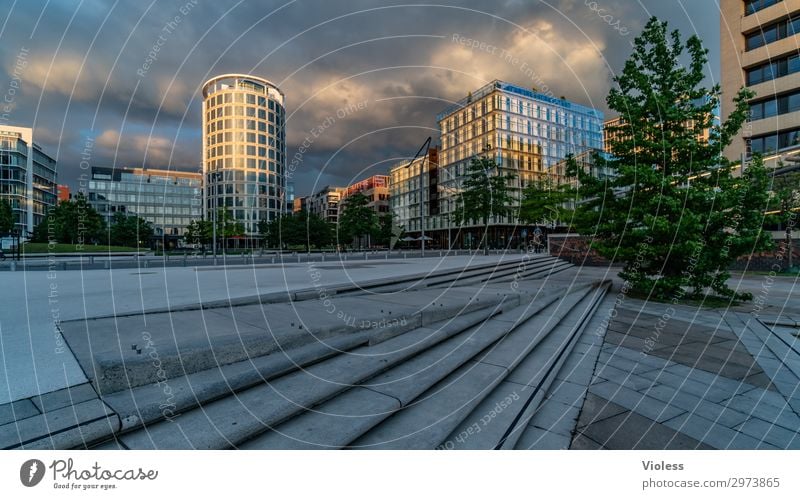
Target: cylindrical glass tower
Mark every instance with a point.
(244, 149)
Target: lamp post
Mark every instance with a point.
(426, 146)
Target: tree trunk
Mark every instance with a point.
(485, 236)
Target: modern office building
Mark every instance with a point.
(168, 199)
(27, 178)
(244, 149)
(405, 195)
(375, 189)
(526, 132)
(325, 203)
(760, 49)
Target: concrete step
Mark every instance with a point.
(230, 421)
(426, 422)
(334, 424)
(127, 352)
(504, 268)
(499, 419)
(551, 426)
(528, 269)
(538, 273)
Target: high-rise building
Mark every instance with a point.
(759, 50)
(526, 132)
(27, 178)
(244, 149)
(375, 189)
(325, 203)
(168, 199)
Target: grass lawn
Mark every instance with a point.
(31, 248)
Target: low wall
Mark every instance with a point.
(575, 249)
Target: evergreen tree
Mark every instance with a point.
(672, 212)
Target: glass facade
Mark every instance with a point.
(27, 178)
(170, 200)
(527, 133)
(244, 149)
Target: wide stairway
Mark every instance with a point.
(466, 361)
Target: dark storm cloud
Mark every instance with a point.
(129, 74)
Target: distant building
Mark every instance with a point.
(375, 189)
(27, 178)
(244, 149)
(759, 50)
(63, 192)
(289, 198)
(300, 204)
(404, 194)
(168, 199)
(325, 203)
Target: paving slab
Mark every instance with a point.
(713, 434)
(596, 409)
(719, 413)
(766, 431)
(65, 397)
(25, 432)
(640, 403)
(632, 431)
(15, 411)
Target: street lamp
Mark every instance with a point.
(426, 146)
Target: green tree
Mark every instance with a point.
(130, 230)
(545, 202)
(199, 232)
(227, 226)
(73, 222)
(301, 228)
(672, 212)
(484, 195)
(357, 220)
(6, 217)
(386, 229)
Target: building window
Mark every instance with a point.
(753, 6)
(775, 69)
(775, 106)
(773, 142)
(772, 33)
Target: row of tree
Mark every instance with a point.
(76, 221)
(358, 227)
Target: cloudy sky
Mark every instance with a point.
(376, 72)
